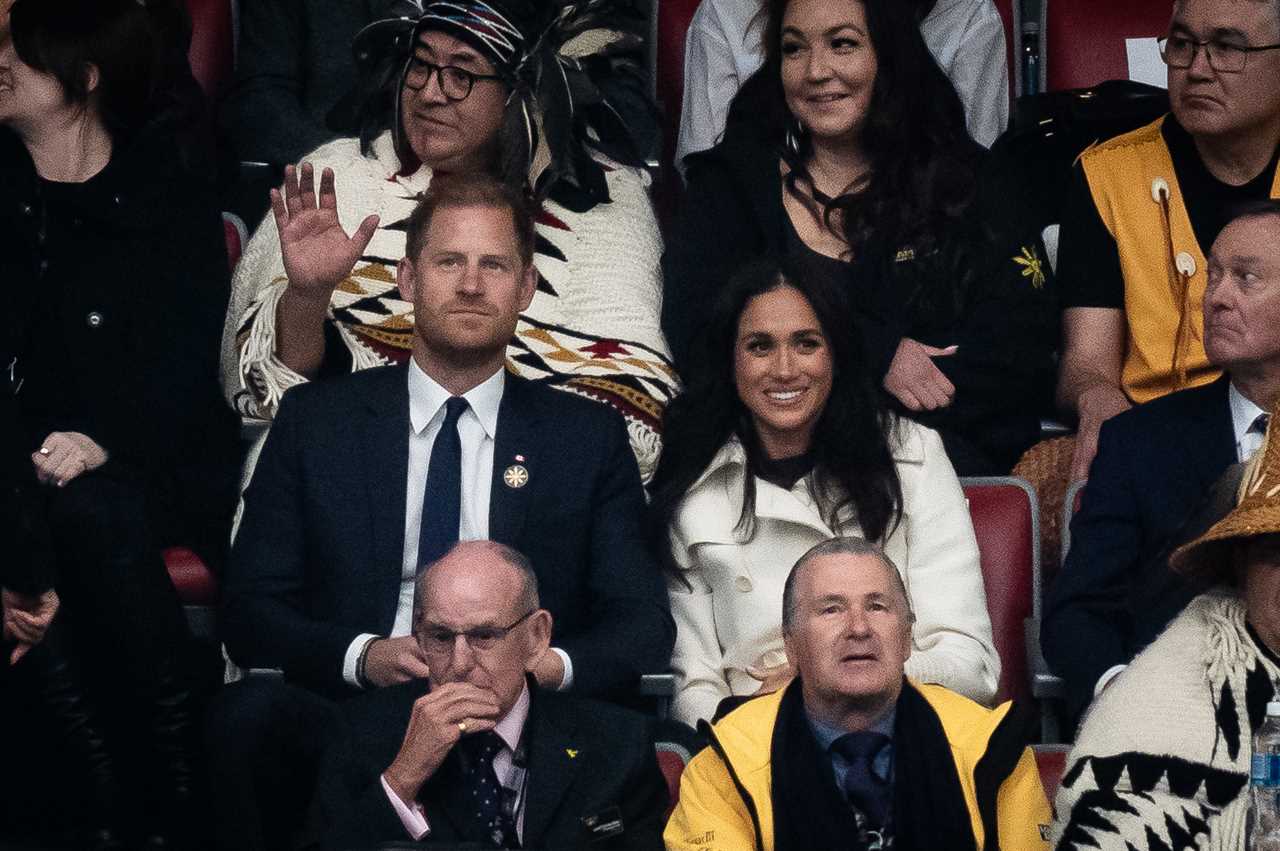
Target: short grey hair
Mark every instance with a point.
(527, 599)
(845, 545)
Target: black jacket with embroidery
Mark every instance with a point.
(1003, 320)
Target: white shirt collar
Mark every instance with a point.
(511, 727)
(1243, 413)
(427, 397)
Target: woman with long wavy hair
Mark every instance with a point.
(780, 441)
(848, 151)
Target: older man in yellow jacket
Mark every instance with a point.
(851, 754)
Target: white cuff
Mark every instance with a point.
(1107, 676)
(411, 815)
(566, 682)
(352, 659)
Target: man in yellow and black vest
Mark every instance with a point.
(1147, 205)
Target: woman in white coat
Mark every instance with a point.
(779, 441)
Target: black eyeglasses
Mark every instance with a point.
(1178, 51)
(455, 82)
(437, 639)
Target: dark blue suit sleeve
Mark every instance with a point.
(631, 631)
(265, 616)
(1087, 625)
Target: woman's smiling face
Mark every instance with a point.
(828, 66)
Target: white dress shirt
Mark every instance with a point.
(1248, 441)
(510, 775)
(1243, 415)
(477, 427)
(723, 48)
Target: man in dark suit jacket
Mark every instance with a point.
(365, 478)
(1155, 472)
(560, 772)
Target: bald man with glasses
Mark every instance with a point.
(477, 752)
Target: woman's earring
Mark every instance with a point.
(795, 132)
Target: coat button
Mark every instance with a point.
(94, 319)
(743, 584)
(27, 209)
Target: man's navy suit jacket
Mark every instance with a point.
(589, 764)
(1156, 466)
(318, 557)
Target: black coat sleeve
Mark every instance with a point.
(265, 614)
(1087, 625)
(630, 631)
(1006, 337)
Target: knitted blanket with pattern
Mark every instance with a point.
(1162, 759)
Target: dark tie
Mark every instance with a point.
(866, 790)
(442, 498)
(491, 825)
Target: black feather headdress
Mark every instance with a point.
(562, 62)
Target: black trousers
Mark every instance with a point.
(266, 739)
(127, 633)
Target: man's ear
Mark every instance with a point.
(539, 635)
(528, 286)
(405, 279)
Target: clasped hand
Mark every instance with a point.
(915, 380)
(26, 619)
(66, 454)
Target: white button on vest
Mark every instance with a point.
(743, 584)
(1186, 264)
(94, 319)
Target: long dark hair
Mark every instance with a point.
(923, 162)
(135, 46)
(853, 464)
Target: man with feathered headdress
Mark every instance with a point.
(513, 87)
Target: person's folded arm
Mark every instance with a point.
(952, 637)
(696, 660)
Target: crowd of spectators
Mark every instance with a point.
(471, 445)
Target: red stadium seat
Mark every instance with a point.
(1052, 761)
(237, 235)
(1084, 40)
(672, 758)
(213, 37)
(1006, 521)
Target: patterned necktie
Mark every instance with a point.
(865, 789)
(492, 826)
(442, 497)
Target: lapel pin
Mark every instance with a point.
(573, 754)
(516, 476)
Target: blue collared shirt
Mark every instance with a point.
(826, 736)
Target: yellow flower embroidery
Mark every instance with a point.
(1032, 266)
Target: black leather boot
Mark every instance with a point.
(79, 727)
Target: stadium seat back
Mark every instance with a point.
(213, 37)
(1011, 16)
(1084, 40)
(1052, 761)
(1006, 522)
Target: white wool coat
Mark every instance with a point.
(729, 614)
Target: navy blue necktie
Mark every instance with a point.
(442, 498)
(492, 827)
(865, 789)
